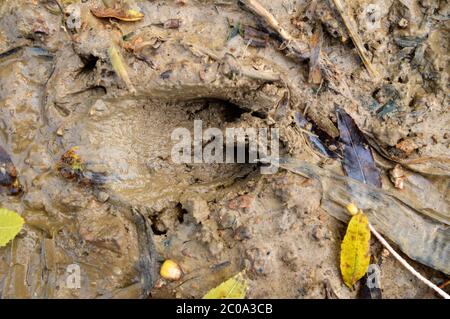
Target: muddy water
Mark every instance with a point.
(58, 90)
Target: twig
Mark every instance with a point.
(406, 265)
(299, 49)
(349, 24)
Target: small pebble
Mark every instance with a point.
(319, 233)
(403, 23)
(226, 220)
(117, 271)
(60, 131)
(102, 196)
(242, 233)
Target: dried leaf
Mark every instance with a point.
(282, 106)
(315, 75)
(120, 14)
(172, 24)
(120, 67)
(233, 288)
(8, 174)
(72, 167)
(166, 74)
(10, 225)
(302, 123)
(254, 37)
(355, 249)
(358, 160)
(243, 201)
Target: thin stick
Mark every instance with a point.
(406, 265)
(349, 24)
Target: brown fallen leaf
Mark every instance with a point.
(120, 14)
(244, 201)
(253, 36)
(8, 175)
(397, 176)
(72, 167)
(358, 160)
(407, 146)
(172, 24)
(315, 75)
(133, 45)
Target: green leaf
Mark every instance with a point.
(10, 225)
(233, 288)
(355, 255)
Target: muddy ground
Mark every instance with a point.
(58, 90)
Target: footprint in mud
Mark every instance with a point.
(130, 142)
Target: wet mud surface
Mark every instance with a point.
(59, 90)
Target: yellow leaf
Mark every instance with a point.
(233, 288)
(120, 67)
(10, 225)
(355, 249)
(120, 14)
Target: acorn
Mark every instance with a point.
(170, 270)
